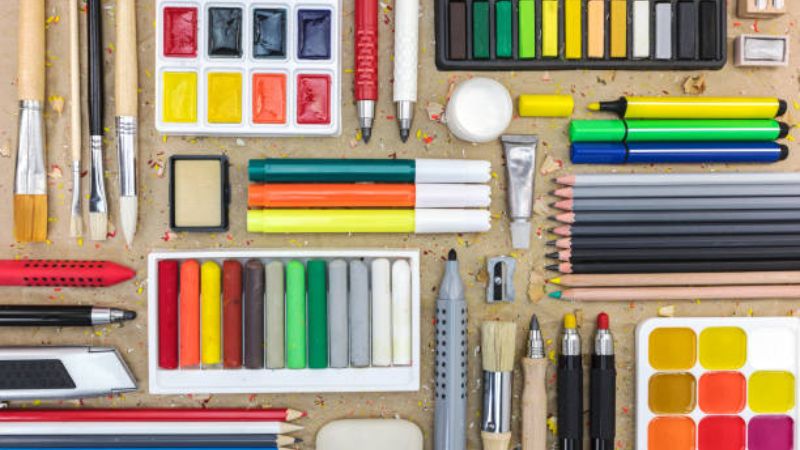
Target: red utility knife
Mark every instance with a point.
(366, 57)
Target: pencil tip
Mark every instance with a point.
(552, 255)
(556, 295)
(534, 323)
(404, 134)
(551, 243)
(451, 255)
(366, 133)
(556, 280)
(594, 106)
(552, 267)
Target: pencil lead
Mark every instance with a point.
(366, 133)
(404, 132)
(552, 267)
(555, 294)
(556, 280)
(552, 218)
(551, 243)
(553, 255)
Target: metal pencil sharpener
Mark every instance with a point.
(500, 287)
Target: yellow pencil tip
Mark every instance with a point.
(556, 280)
(569, 321)
(594, 106)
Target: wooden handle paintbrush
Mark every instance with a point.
(98, 204)
(76, 218)
(497, 348)
(126, 121)
(534, 395)
(30, 183)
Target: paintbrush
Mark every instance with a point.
(30, 181)
(126, 121)
(98, 206)
(497, 347)
(76, 219)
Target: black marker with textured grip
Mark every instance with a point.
(602, 388)
(570, 388)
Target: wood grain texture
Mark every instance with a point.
(126, 64)
(30, 50)
(495, 441)
(534, 404)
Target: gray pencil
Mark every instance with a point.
(359, 316)
(264, 441)
(337, 313)
(451, 364)
(680, 204)
(678, 229)
(670, 191)
(786, 215)
(660, 179)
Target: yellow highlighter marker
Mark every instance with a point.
(694, 107)
(550, 28)
(210, 314)
(573, 29)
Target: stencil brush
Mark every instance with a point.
(76, 219)
(30, 182)
(98, 206)
(126, 82)
(497, 348)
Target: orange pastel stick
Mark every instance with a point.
(189, 337)
(291, 195)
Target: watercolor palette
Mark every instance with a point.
(717, 383)
(248, 68)
(217, 378)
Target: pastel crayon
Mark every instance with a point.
(381, 313)
(168, 314)
(231, 314)
(317, 314)
(210, 314)
(550, 28)
(337, 313)
(275, 315)
(254, 314)
(359, 319)
(573, 29)
(189, 340)
(401, 313)
(295, 315)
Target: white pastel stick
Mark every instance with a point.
(401, 313)
(641, 29)
(381, 313)
(107, 428)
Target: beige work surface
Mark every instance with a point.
(429, 140)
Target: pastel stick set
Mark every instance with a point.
(717, 383)
(576, 34)
(282, 321)
(248, 68)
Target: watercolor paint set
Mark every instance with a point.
(272, 321)
(580, 34)
(248, 68)
(717, 383)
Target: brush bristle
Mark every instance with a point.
(128, 214)
(98, 226)
(498, 346)
(30, 218)
(76, 226)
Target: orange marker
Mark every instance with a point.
(331, 195)
(189, 347)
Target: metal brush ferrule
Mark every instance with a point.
(126, 153)
(76, 188)
(496, 402)
(30, 176)
(535, 344)
(97, 199)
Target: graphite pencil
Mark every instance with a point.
(679, 293)
(676, 179)
(744, 240)
(676, 266)
(262, 441)
(677, 204)
(675, 254)
(632, 229)
(669, 191)
(669, 279)
(152, 415)
(147, 428)
(592, 217)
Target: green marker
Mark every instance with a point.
(677, 130)
(480, 30)
(503, 20)
(527, 29)
(295, 315)
(317, 315)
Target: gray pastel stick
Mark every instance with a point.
(359, 315)
(663, 30)
(254, 314)
(275, 315)
(337, 314)
(451, 362)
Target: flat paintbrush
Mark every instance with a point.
(98, 206)
(126, 121)
(76, 218)
(497, 347)
(30, 182)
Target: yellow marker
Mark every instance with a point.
(694, 107)
(210, 314)
(619, 28)
(225, 97)
(550, 28)
(540, 105)
(179, 97)
(573, 29)
(596, 23)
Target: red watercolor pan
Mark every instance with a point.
(313, 99)
(180, 32)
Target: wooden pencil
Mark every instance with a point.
(592, 217)
(675, 254)
(744, 240)
(661, 179)
(633, 229)
(677, 204)
(680, 293)
(670, 191)
(676, 266)
(669, 279)
(76, 210)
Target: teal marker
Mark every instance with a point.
(704, 130)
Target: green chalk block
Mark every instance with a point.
(480, 30)
(295, 315)
(527, 29)
(503, 27)
(317, 314)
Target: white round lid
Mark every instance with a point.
(479, 110)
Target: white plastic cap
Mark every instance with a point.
(453, 195)
(521, 234)
(452, 221)
(479, 110)
(452, 171)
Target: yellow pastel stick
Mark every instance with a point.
(550, 28)
(573, 29)
(210, 314)
(619, 28)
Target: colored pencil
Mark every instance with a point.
(677, 179)
(669, 279)
(262, 441)
(152, 415)
(676, 229)
(271, 447)
(669, 191)
(675, 254)
(682, 204)
(585, 218)
(148, 428)
(745, 240)
(76, 209)
(676, 266)
(679, 293)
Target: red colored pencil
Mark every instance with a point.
(152, 415)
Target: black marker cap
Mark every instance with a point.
(784, 127)
(782, 108)
(784, 152)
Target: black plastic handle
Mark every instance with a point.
(570, 402)
(602, 402)
(95, 24)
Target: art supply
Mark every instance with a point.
(30, 177)
(679, 216)
(693, 107)
(602, 388)
(232, 314)
(676, 229)
(61, 316)
(319, 328)
(479, 109)
(750, 240)
(668, 279)
(693, 293)
(312, 170)
(570, 387)
(254, 276)
(76, 209)
(540, 105)
(368, 221)
(497, 355)
(365, 79)
(757, 50)
(681, 204)
(534, 394)
(500, 287)
(406, 48)
(98, 203)
(678, 266)
(248, 69)
(724, 382)
(520, 154)
(579, 34)
(676, 254)
(152, 415)
(676, 152)
(62, 273)
(764, 9)
(199, 193)
(164, 441)
(645, 130)
(360, 195)
(168, 314)
(184, 428)
(687, 191)
(126, 85)
(451, 361)
(677, 179)
(49, 372)
(386, 434)
(189, 315)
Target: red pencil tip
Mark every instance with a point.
(602, 321)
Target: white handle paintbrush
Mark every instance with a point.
(126, 120)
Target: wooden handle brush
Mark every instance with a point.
(76, 218)
(30, 183)
(497, 347)
(126, 86)
(534, 395)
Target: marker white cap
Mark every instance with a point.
(453, 196)
(452, 221)
(479, 110)
(452, 171)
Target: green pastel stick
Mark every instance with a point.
(317, 314)
(527, 29)
(295, 315)
(480, 30)
(502, 15)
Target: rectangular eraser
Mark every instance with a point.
(758, 50)
(764, 9)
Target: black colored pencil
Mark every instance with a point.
(678, 204)
(633, 229)
(263, 441)
(675, 266)
(676, 254)
(745, 240)
(786, 215)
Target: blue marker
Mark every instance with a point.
(676, 152)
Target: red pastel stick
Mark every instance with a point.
(366, 59)
(62, 273)
(232, 314)
(152, 415)
(168, 314)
